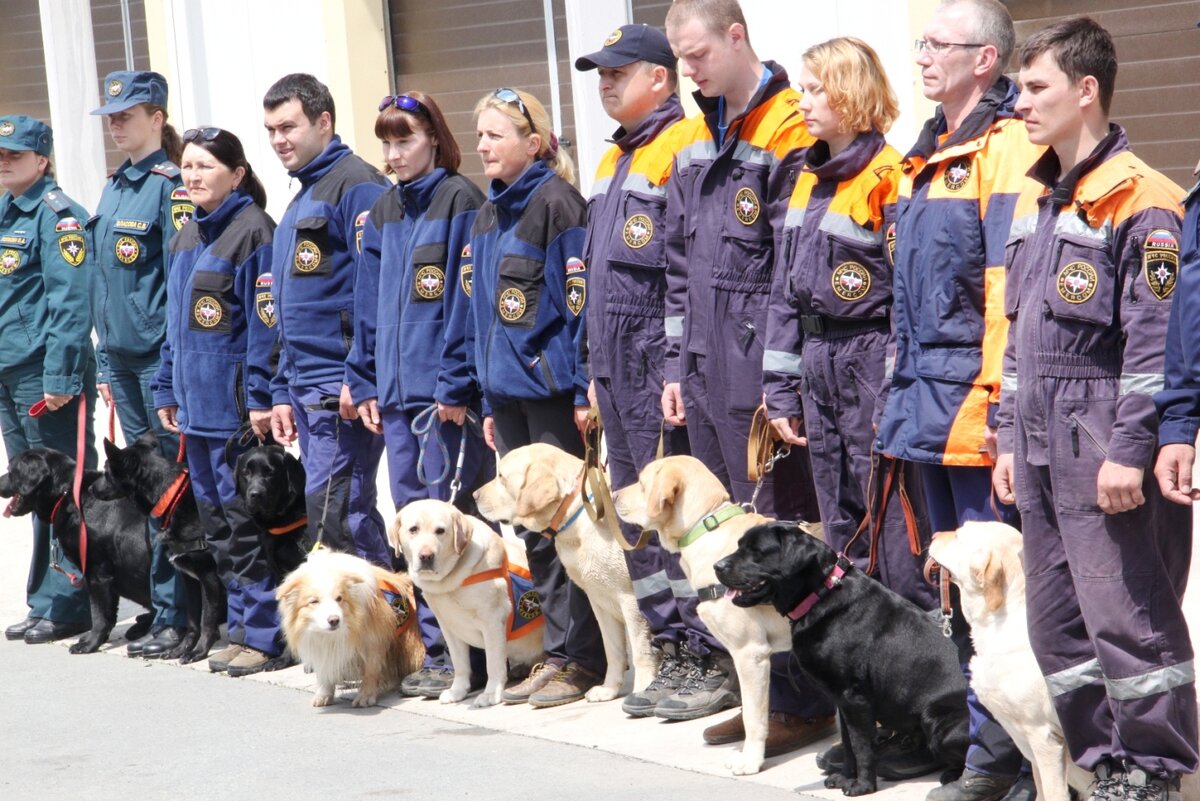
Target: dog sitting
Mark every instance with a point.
(878, 656)
(159, 488)
(536, 487)
(41, 482)
(464, 570)
(270, 482)
(350, 620)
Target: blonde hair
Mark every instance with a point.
(550, 150)
(855, 82)
(716, 15)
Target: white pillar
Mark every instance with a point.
(589, 22)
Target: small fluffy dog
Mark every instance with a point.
(350, 620)
(532, 484)
(459, 564)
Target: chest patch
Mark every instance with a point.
(638, 232)
(10, 260)
(429, 282)
(127, 250)
(957, 174)
(1077, 282)
(746, 206)
(1160, 262)
(207, 311)
(851, 281)
(512, 304)
(308, 256)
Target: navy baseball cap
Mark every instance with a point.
(124, 90)
(18, 132)
(628, 44)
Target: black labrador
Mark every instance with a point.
(158, 487)
(270, 482)
(877, 655)
(41, 481)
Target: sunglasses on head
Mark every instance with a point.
(405, 103)
(511, 96)
(206, 134)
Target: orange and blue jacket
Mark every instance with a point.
(953, 218)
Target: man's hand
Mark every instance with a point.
(672, 405)
(990, 444)
(1002, 479)
(56, 402)
(105, 393)
(1173, 469)
(368, 412)
(260, 423)
(581, 419)
(169, 417)
(452, 414)
(489, 432)
(1119, 488)
(346, 407)
(788, 429)
(283, 423)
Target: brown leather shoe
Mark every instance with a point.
(785, 733)
(219, 662)
(538, 678)
(568, 685)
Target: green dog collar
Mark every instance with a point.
(710, 522)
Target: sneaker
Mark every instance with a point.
(972, 786)
(251, 661)
(785, 733)
(569, 684)
(708, 687)
(669, 678)
(429, 679)
(538, 678)
(1109, 784)
(1141, 786)
(219, 662)
(899, 756)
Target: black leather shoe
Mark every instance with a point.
(135, 646)
(167, 638)
(49, 631)
(17, 630)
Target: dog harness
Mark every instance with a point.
(710, 522)
(399, 603)
(832, 579)
(164, 509)
(526, 612)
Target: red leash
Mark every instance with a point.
(37, 410)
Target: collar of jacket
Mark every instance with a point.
(27, 201)
(709, 106)
(213, 224)
(1062, 190)
(997, 103)
(136, 172)
(512, 199)
(667, 114)
(316, 169)
(415, 196)
(847, 164)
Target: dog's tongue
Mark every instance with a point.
(12, 502)
(731, 593)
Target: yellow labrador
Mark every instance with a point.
(450, 556)
(534, 483)
(691, 511)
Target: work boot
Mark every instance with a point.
(47, 630)
(252, 660)
(17, 630)
(899, 756)
(538, 678)
(972, 786)
(160, 644)
(708, 687)
(785, 733)
(671, 670)
(1110, 782)
(219, 662)
(1024, 790)
(567, 685)
(1141, 786)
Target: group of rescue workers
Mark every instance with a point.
(988, 316)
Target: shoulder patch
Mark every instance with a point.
(179, 193)
(56, 201)
(68, 224)
(575, 265)
(73, 248)
(264, 299)
(1160, 262)
(166, 169)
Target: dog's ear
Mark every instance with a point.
(462, 531)
(296, 476)
(111, 451)
(539, 489)
(393, 535)
(992, 577)
(663, 490)
(148, 440)
(288, 594)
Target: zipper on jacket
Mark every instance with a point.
(642, 365)
(1137, 253)
(1076, 426)
(1074, 436)
(747, 334)
(540, 361)
(239, 393)
(347, 330)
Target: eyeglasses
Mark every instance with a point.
(405, 103)
(936, 48)
(511, 96)
(207, 134)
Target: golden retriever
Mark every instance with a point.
(531, 484)
(448, 552)
(350, 621)
(673, 496)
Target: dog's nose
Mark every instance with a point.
(334, 621)
(425, 558)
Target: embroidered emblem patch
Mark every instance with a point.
(512, 304)
(7, 128)
(308, 256)
(529, 605)
(576, 294)
(264, 299)
(429, 282)
(10, 260)
(67, 224)
(359, 222)
(638, 231)
(72, 248)
(466, 251)
(891, 244)
(575, 265)
(180, 194)
(957, 174)
(128, 250)
(851, 280)
(1160, 262)
(399, 606)
(1077, 282)
(613, 38)
(746, 206)
(114, 88)
(207, 311)
(466, 275)
(181, 214)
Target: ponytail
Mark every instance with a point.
(253, 187)
(172, 142)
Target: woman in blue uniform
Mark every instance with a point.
(408, 369)
(141, 208)
(46, 328)
(220, 307)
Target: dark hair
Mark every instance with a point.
(313, 95)
(171, 141)
(394, 123)
(1080, 47)
(227, 149)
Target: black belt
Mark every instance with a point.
(820, 325)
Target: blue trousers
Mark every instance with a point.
(48, 592)
(129, 382)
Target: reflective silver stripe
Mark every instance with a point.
(1155, 682)
(705, 149)
(889, 367)
(1008, 382)
(1074, 678)
(636, 182)
(651, 585)
(795, 217)
(1073, 225)
(601, 186)
(1022, 227)
(682, 588)
(778, 361)
(673, 326)
(749, 154)
(845, 227)
(1145, 383)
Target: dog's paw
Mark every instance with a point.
(86, 645)
(363, 699)
(324, 699)
(193, 656)
(178, 652)
(743, 765)
(453, 695)
(487, 698)
(849, 786)
(601, 693)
